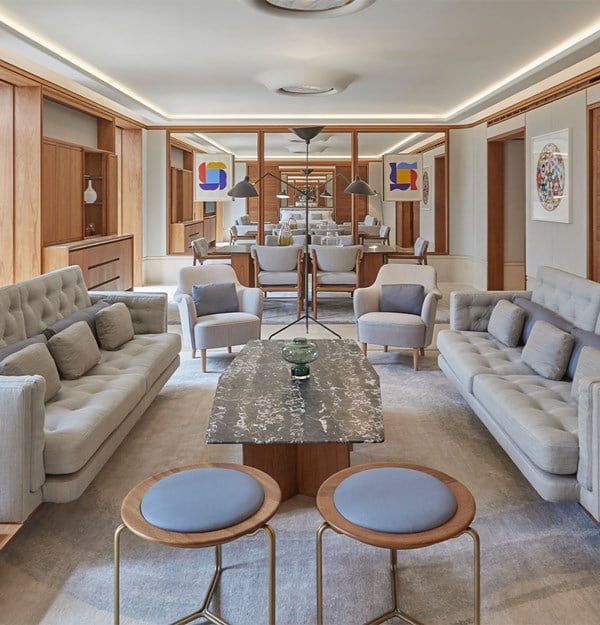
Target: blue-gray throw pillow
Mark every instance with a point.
(85, 314)
(402, 298)
(214, 298)
(583, 339)
(537, 312)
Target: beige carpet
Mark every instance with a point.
(540, 561)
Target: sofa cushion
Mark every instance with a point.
(582, 338)
(114, 326)
(85, 314)
(82, 416)
(147, 355)
(588, 366)
(471, 353)
(19, 345)
(33, 359)
(537, 415)
(214, 298)
(74, 350)
(548, 350)
(401, 298)
(537, 312)
(506, 323)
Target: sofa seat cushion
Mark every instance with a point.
(395, 329)
(226, 329)
(82, 416)
(537, 415)
(146, 354)
(472, 353)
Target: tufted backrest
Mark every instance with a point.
(28, 307)
(571, 296)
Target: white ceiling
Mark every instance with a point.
(203, 62)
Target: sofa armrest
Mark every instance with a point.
(365, 300)
(471, 311)
(251, 300)
(428, 315)
(22, 473)
(148, 310)
(188, 316)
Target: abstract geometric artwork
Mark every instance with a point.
(213, 176)
(426, 187)
(402, 177)
(550, 167)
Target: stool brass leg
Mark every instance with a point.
(394, 574)
(116, 598)
(270, 534)
(320, 533)
(476, 575)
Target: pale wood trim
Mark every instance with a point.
(131, 189)
(7, 187)
(593, 134)
(8, 531)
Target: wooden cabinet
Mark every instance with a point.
(67, 170)
(106, 262)
(182, 234)
(62, 192)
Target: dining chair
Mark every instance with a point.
(280, 269)
(334, 269)
(200, 250)
(383, 237)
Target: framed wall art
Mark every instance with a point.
(213, 176)
(402, 177)
(425, 205)
(551, 177)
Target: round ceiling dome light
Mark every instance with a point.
(310, 8)
(306, 82)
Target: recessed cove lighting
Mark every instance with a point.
(309, 8)
(306, 90)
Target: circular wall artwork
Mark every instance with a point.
(425, 188)
(550, 176)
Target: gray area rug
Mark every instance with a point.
(540, 561)
(279, 311)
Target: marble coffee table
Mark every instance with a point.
(298, 431)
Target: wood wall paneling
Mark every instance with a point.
(495, 217)
(594, 178)
(131, 190)
(112, 196)
(440, 171)
(28, 182)
(6, 187)
(119, 154)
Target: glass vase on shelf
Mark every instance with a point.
(285, 235)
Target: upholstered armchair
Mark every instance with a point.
(280, 269)
(395, 311)
(335, 269)
(216, 319)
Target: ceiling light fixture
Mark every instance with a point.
(309, 8)
(306, 90)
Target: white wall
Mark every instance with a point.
(557, 244)
(514, 201)
(67, 124)
(155, 193)
(176, 157)
(377, 207)
(427, 217)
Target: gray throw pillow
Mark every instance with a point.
(85, 314)
(34, 359)
(114, 326)
(536, 312)
(402, 298)
(214, 298)
(7, 350)
(74, 350)
(506, 323)
(548, 350)
(583, 338)
(588, 366)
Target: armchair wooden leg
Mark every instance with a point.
(363, 347)
(422, 351)
(416, 358)
(385, 348)
(193, 353)
(229, 349)
(203, 356)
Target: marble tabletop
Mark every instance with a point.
(257, 401)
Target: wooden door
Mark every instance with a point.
(440, 243)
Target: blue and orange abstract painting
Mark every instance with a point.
(403, 177)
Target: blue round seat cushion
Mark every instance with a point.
(202, 500)
(395, 500)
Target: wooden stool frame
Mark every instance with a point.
(135, 522)
(458, 525)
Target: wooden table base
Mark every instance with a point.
(299, 469)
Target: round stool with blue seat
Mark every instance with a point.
(203, 505)
(395, 506)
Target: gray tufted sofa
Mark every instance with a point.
(51, 452)
(553, 439)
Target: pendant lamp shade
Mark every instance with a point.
(243, 188)
(359, 187)
(308, 132)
